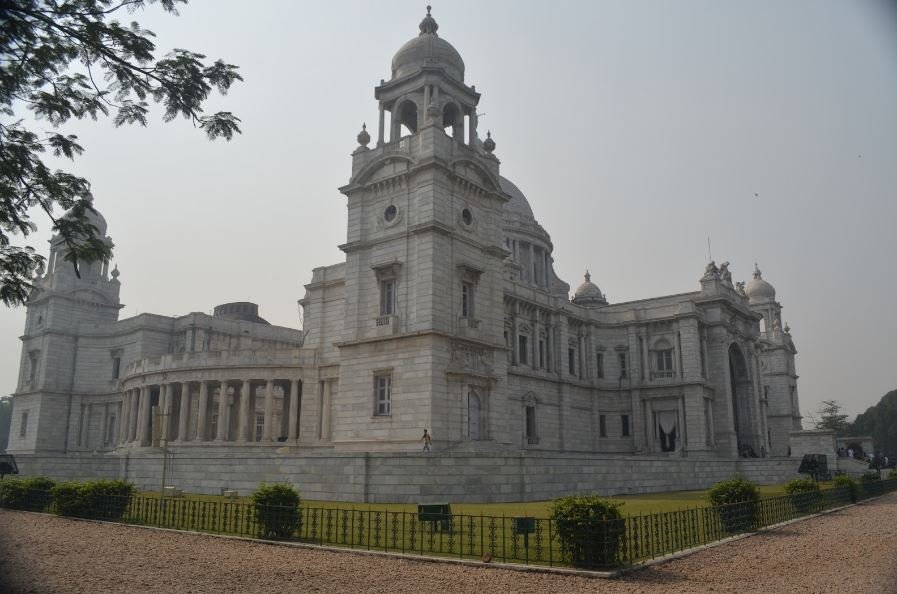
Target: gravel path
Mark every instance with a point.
(850, 551)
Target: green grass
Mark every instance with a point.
(632, 504)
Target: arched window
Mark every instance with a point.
(474, 415)
(407, 117)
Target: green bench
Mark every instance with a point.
(439, 515)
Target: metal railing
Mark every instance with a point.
(591, 544)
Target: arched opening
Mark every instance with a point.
(406, 117)
(453, 121)
(474, 414)
(742, 407)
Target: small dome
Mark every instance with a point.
(588, 293)
(239, 310)
(94, 217)
(428, 49)
(758, 289)
(518, 204)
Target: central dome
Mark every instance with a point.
(428, 49)
(518, 204)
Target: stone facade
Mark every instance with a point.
(446, 314)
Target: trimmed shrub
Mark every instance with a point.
(870, 476)
(110, 498)
(805, 494)
(843, 481)
(893, 474)
(277, 510)
(735, 500)
(30, 493)
(72, 499)
(591, 530)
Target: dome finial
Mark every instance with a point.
(588, 276)
(757, 271)
(489, 144)
(428, 25)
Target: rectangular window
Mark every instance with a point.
(664, 360)
(531, 437)
(213, 429)
(116, 367)
(602, 425)
(521, 350)
(33, 360)
(259, 426)
(622, 357)
(542, 354)
(387, 297)
(109, 438)
(624, 422)
(467, 310)
(571, 361)
(382, 395)
(599, 365)
(23, 428)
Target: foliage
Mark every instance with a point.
(844, 481)
(73, 59)
(110, 498)
(735, 501)
(893, 474)
(831, 418)
(870, 476)
(880, 422)
(5, 421)
(591, 530)
(72, 499)
(102, 499)
(277, 510)
(805, 494)
(31, 493)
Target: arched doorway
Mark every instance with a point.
(473, 415)
(741, 386)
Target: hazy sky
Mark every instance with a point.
(636, 129)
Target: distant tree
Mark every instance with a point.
(880, 423)
(5, 420)
(829, 416)
(63, 59)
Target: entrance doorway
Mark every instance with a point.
(473, 415)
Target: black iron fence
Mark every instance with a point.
(536, 541)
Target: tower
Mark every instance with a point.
(778, 375)
(60, 305)
(422, 337)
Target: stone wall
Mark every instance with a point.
(390, 477)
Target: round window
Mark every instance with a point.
(390, 213)
(467, 216)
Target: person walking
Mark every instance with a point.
(427, 441)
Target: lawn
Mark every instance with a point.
(632, 504)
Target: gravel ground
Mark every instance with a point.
(850, 551)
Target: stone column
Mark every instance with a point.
(202, 413)
(515, 339)
(244, 431)
(166, 393)
(134, 412)
(294, 410)
(184, 416)
(222, 412)
(581, 352)
(535, 341)
(325, 413)
(380, 138)
(532, 265)
(269, 411)
(123, 417)
(143, 421)
(472, 133)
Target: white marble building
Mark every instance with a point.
(446, 314)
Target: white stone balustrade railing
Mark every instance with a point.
(245, 358)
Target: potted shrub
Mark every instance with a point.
(735, 501)
(277, 510)
(591, 530)
(805, 494)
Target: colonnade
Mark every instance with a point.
(203, 411)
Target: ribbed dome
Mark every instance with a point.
(428, 49)
(518, 204)
(758, 289)
(588, 293)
